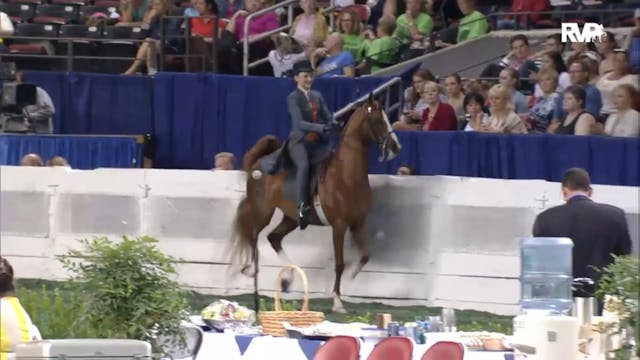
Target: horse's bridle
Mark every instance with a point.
(382, 141)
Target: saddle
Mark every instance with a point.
(280, 161)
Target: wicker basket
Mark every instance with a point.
(271, 321)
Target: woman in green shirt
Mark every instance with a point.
(414, 24)
(350, 30)
(472, 25)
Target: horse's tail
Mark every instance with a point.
(266, 145)
(244, 228)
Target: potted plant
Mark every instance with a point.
(619, 289)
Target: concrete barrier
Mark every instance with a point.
(441, 241)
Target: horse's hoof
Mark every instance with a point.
(285, 284)
(339, 309)
(247, 272)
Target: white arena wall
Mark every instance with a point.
(434, 240)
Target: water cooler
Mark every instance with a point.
(544, 325)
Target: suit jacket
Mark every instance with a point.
(597, 230)
(301, 115)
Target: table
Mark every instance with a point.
(239, 347)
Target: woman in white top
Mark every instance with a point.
(503, 119)
(16, 326)
(626, 120)
(286, 53)
(621, 74)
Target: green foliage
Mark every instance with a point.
(365, 318)
(285, 305)
(622, 279)
(55, 312)
(127, 288)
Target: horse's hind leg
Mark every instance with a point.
(359, 233)
(261, 218)
(275, 237)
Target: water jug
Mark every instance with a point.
(546, 275)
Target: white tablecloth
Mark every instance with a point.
(225, 347)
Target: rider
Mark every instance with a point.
(311, 122)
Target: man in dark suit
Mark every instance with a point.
(597, 230)
(311, 123)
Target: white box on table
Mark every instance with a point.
(103, 349)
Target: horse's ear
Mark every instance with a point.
(371, 100)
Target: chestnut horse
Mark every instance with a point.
(344, 193)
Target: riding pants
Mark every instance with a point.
(300, 157)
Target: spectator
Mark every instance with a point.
(455, 94)
(192, 10)
(532, 8)
(258, 25)
(502, 119)
(552, 44)
(227, 8)
(625, 121)
(515, 58)
(31, 160)
(597, 230)
(16, 323)
(579, 75)
(6, 28)
(57, 161)
(476, 115)
(634, 44)
(621, 74)
(414, 24)
(605, 49)
(541, 112)
(202, 26)
(438, 115)
(224, 161)
(473, 24)
(577, 121)
(286, 53)
(134, 13)
(404, 171)
(149, 49)
(481, 87)
(350, 29)
(592, 59)
(552, 61)
(230, 50)
(509, 79)
(331, 60)
(40, 115)
(309, 28)
(413, 103)
(578, 50)
(382, 48)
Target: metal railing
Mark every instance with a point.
(386, 87)
(246, 65)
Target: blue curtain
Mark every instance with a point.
(82, 152)
(194, 116)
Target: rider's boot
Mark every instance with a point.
(303, 212)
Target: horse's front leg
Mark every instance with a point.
(339, 231)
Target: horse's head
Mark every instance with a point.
(380, 130)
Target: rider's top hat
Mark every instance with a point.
(302, 66)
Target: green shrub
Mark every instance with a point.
(127, 288)
(55, 312)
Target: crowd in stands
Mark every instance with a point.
(587, 89)
(367, 36)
